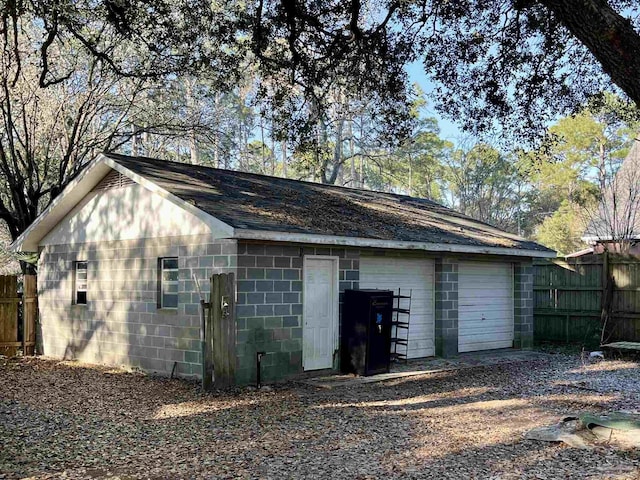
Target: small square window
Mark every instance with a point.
(168, 283)
(80, 283)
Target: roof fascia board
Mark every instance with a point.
(392, 244)
(210, 220)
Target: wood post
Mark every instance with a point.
(205, 343)
(29, 314)
(607, 297)
(219, 334)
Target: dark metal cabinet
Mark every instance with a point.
(366, 331)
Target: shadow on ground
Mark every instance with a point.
(60, 419)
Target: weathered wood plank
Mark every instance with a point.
(9, 304)
(224, 329)
(568, 293)
(29, 314)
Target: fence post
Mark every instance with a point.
(607, 296)
(219, 334)
(29, 314)
(224, 330)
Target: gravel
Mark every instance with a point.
(70, 420)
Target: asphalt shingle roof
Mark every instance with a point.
(259, 202)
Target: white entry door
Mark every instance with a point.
(413, 275)
(485, 306)
(320, 301)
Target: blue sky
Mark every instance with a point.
(448, 129)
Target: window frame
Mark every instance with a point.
(163, 283)
(77, 282)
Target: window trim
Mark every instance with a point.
(162, 283)
(76, 282)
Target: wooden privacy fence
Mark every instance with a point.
(218, 333)
(574, 298)
(18, 312)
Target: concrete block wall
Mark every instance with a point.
(269, 308)
(523, 305)
(121, 323)
(446, 307)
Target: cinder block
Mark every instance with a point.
(246, 286)
(345, 264)
(221, 261)
(274, 274)
(273, 322)
(264, 310)
(352, 275)
(291, 297)
(291, 274)
(273, 250)
(245, 310)
(255, 249)
(256, 298)
(255, 273)
(284, 286)
(264, 262)
(246, 261)
(282, 262)
(274, 297)
(264, 285)
(282, 310)
(291, 321)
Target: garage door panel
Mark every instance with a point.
(388, 273)
(485, 303)
(486, 331)
(473, 311)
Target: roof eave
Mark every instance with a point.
(248, 234)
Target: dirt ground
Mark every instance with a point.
(68, 420)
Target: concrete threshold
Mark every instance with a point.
(430, 365)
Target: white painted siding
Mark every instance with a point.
(125, 213)
(389, 273)
(485, 296)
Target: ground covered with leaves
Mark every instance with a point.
(68, 420)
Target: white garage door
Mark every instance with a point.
(388, 273)
(485, 303)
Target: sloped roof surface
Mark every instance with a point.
(259, 202)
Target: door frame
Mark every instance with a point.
(336, 303)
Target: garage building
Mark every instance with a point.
(127, 250)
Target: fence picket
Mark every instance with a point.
(17, 311)
(569, 295)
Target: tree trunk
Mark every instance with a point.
(609, 36)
